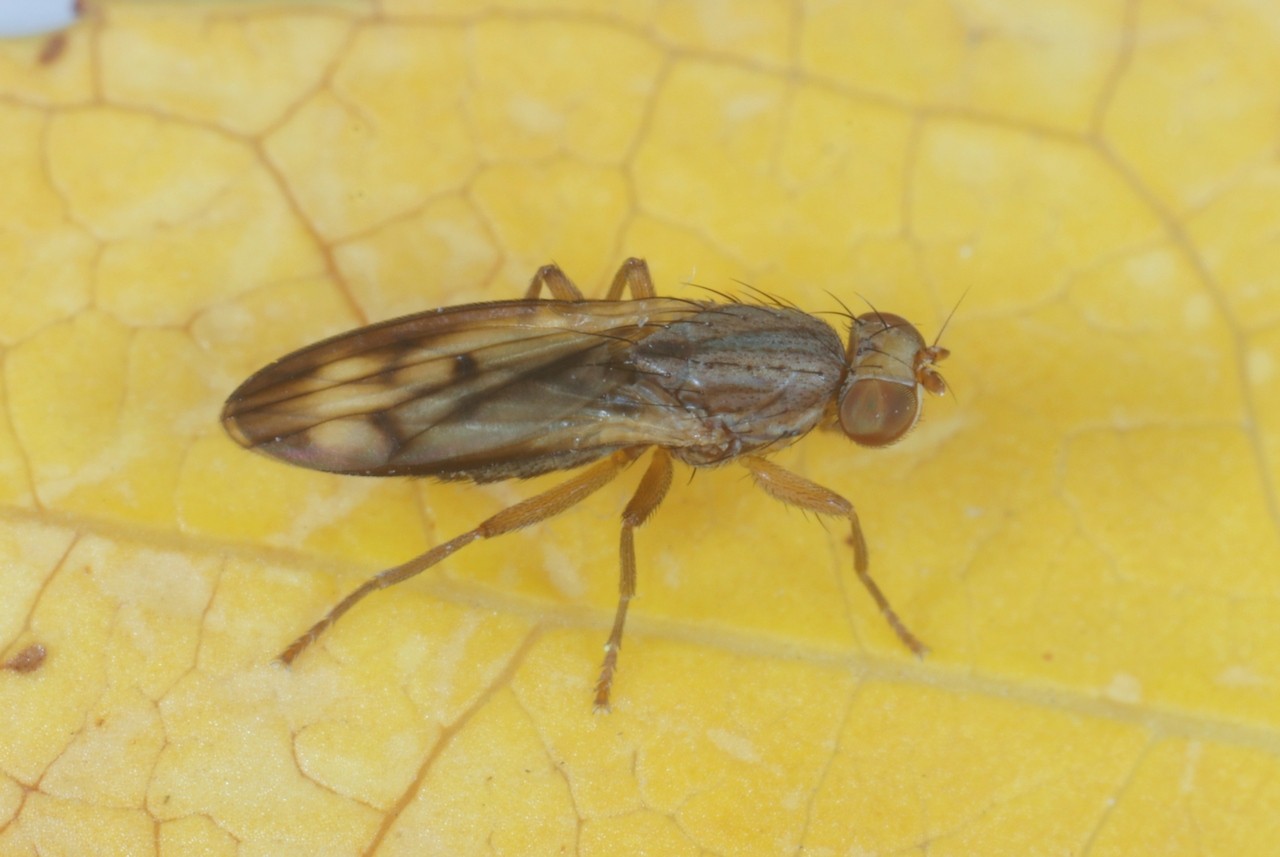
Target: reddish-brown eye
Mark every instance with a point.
(876, 412)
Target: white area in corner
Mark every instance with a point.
(1198, 312)
(1188, 781)
(1242, 676)
(1154, 272)
(736, 746)
(536, 116)
(318, 511)
(564, 571)
(29, 17)
(1124, 688)
(746, 107)
(1260, 366)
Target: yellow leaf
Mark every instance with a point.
(1085, 533)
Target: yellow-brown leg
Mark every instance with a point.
(556, 281)
(632, 276)
(523, 514)
(649, 493)
(800, 492)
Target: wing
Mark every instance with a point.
(482, 392)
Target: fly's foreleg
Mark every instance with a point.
(649, 493)
(523, 514)
(800, 492)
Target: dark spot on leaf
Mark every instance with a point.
(28, 660)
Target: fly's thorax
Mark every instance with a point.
(889, 367)
(749, 376)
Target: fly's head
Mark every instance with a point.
(889, 366)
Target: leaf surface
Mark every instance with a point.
(1085, 533)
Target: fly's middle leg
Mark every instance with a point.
(649, 493)
(797, 491)
(632, 276)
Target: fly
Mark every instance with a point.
(518, 388)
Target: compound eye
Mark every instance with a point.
(876, 412)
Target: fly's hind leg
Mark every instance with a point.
(632, 276)
(522, 514)
(649, 493)
(556, 281)
(800, 492)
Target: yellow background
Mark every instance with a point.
(1085, 533)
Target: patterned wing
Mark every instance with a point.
(482, 392)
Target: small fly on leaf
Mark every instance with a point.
(513, 389)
